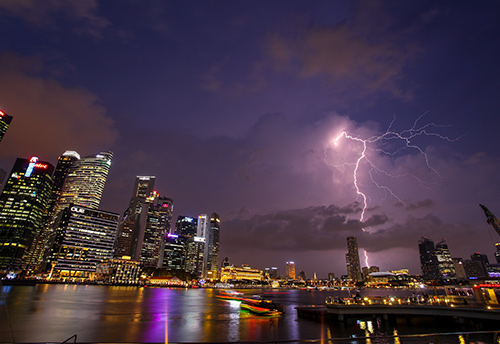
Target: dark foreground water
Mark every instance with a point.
(53, 313)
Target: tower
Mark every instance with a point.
(290, 270)
(444, 261)
(428, 260)
(158, 216)
(24, 206)
(352, 260)
(212, 245)
(130, 226)
(4, 123)
(85, 181)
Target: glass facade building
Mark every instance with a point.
(85, 181)
(84, 238)
(24, 206)
(4, 123)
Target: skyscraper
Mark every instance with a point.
(352, 260)
(24, 206)
(290, 270)
(444, 261)
(131, 226)
(212, 245)
(85, 181)
(428, 260)
(4, 123)
(84, 238)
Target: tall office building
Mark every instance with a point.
(150, 243)
(85, 181)
(24, 206)
(195, 254)
(131, 225)
(4, 123)
(84, 238)
(352, 260)
(290, 270)
(175, 251)
(212, 246)
(428, 260)
(186, 225)
(444, 261)
(64, 163)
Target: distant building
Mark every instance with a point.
(302, 275)
(119, 271)
(428, 260)
(290, 270)
(195, 256)
(84, 238)
(369, 270)
(151, 242)
(444, 261)
(458, 264)
(174, 253)
(243, 273)
(24, 204)
(331, 276)
(212, 246)
(352, 260)
(4, 123)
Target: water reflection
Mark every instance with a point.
(129, 314)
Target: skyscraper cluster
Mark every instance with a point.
(51, 223)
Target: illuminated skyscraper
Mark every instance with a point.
(186, 226)
(4, 123)
(150, 243)
(444, 260)
(212, 246)
(290, 270)
(84, 238)
(24, 205)
(352, 260)
(428, 260)
(85, 181)
(131, 226)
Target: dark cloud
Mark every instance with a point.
(43, 14)
(49, 117)
(312, 228)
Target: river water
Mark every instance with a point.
(53, 313)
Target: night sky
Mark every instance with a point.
(235, 106)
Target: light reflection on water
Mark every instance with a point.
(131, 314)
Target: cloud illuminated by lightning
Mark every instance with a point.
(363, 151)
(350, 149)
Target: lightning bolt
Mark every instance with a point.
(390, 143)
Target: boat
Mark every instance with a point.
(230, 295)
(260, 310)
(261, 306)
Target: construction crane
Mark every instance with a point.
(491, 219)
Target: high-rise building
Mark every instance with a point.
(24, 205)
(150, 243)
(84, 238)
(290, 270)
(195, 254)
(186, 226)
(428, 260)
(41, 248)
(458, 264)
(212, 246)
(4, 123)
(444, 261)
(85, 181)
(352, 260)
(131, 226)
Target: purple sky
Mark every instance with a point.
(234, 106)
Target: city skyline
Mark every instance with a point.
(259, 112)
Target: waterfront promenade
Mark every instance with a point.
(458, 308)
